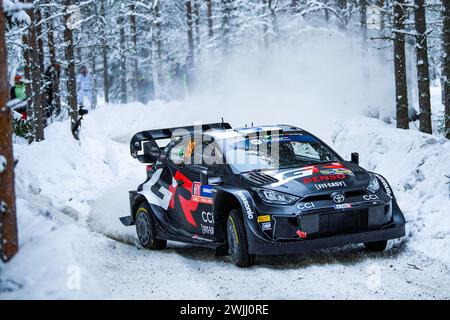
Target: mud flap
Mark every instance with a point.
(127, 221)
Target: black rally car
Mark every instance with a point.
(256, 191)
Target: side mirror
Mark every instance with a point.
(355, 158)
(206, 179)
(146, 152)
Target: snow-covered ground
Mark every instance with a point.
(71, 194)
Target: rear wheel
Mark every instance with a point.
(146, 229)
(237, 240)
(376, 246)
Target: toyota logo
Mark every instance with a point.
(338, 198)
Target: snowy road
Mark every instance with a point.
(189, 272)
(66, 224)
(185, 272)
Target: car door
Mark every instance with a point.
(191, 205)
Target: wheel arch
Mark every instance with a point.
(136, 200)
(224, 202)
(231, 198)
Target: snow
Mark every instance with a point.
(16, 11)
(47, 251)
(3, 207)
(71, 194)
(3, 163)
(418, 171)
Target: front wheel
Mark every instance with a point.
(376, 246)
(237, 240)
(146, 229)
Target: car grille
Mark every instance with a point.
(343, 222)
(259, 179)
(322, 197)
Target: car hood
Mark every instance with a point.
(321, 178)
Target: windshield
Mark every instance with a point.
(276, 152)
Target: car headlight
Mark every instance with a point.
(276, 197)
(373, 185)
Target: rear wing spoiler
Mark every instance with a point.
(143, 145)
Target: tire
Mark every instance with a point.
(376, 246)
(221, 251)
(146, 229)
(237, 240)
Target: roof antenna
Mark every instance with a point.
(252, 125)
(223, 125)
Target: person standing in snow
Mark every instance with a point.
(84, 88)
(18, 92)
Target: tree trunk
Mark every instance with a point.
(28, 82)
(105, 73)
(227, 8)
(380, 3)
(70, 71)
(9, 244)
(156, 48)
(273, 16)
(135, 51)
(401, 87)
(364, 46)
(363, 22)
(123, 62)
(343, 14)
(446, 63)
(104, 53)
(94, 77)
(210, 19)
(40, 47)
(423, 76)
(265, 24)
(197, 23)
(53, 60)
(38, 114)
(294, 6)
(40, 40)
(190, 32)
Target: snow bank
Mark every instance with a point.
(51, 257)
(418, 168)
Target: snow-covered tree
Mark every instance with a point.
(8, 228)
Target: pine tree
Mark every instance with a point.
(446, 63)
(134, 42)
(401, 87)
(123, 61)
(210, 19)
(70, 71)
(190, 30)
(423, 76)
(53, 58)
(8, 225)
(104, 44)
(36, 76)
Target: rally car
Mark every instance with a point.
(265, 190)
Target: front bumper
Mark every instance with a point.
(260, 246)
